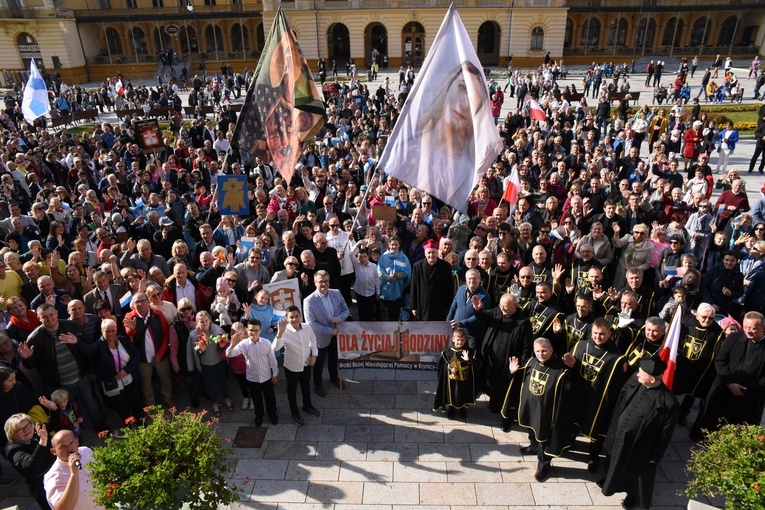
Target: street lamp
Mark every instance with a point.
(190, 8)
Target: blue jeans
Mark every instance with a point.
(215, 377)
(82, 393)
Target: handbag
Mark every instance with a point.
(112, 387)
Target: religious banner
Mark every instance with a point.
(232, 195)
(396, 345)
(149, 134)
(284, 294)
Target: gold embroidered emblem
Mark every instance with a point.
(538, 382)
(590, 367)
(693, 347)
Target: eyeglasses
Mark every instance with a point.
(544, 231)
(703, 207)
(232, 280)
(333, 225)
(481, 228)
(525, 277)
(185, 309)
(25, 428)
(427, 203)
(674, 242)
(471, 258)
(292, 264)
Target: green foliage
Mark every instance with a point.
(731, 463)
(169, 460)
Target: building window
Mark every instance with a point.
(590, 33)
(569, 34)
(727, 30)
(617, 32)
(700, 32)
(670, 31)
(113, 41)
(131, 4)
(537, 38)
(157, 3)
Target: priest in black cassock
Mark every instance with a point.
(456, 379)
(546, 404)
(644, 418)
(508, 334)
(432, 286)
(599, 373)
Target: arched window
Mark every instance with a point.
(113, 41)
(727, 30)
(700, 32)
(161, 39)
(617, 32)
(260, 35)
(138, 41)
(486, 37)
(569, 35)
(240, 36)
(646, 32)
(670, 31)
(537, 38)
(214, 38)
(591, 32)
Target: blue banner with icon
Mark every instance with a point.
(232, 195)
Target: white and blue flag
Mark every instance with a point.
(35, 103)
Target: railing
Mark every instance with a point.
(330, 5)
(34, 13)
(176, 12)
(658, 4)
(122, 59)
(663, 50)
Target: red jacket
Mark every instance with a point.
(162, 345)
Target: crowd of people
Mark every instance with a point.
(118, 269)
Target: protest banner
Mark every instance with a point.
(232, 195)
(396, 345)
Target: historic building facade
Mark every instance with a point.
(87, 40)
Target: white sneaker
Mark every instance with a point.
(252, 404)
(245, 403)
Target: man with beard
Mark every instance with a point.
(508, 334)
(547, 319)
(546, 404)
(432, 287)
(501, 279)
(598, 376)
(701, 336)
(641, 428)
(737, 394)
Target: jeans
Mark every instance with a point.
(82, 393)
(330, 354)
(303, 379)
(215, 377)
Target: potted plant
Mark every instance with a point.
(170, 461)
(731, 463)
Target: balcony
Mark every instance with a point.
(33, 13)
(661, 5)
(169, 13)
(330, 5)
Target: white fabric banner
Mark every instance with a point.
(445, 139)
(35, 102)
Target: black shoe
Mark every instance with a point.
(528, 450)
(274, 418)
(506, 425)
(320, 390)
(298, 419)
(450, 413)
(541, 474)
(258, 421)
(629, 502)
(600, 483)
(682, 418)
(339, 384)
(194, 403)
(463, 413)
(312, 411)
(593, 466)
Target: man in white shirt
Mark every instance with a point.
(262, 371)
(300, 351)
(67, 486)
(367, 283)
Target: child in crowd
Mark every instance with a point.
(225, 304)
(64, 414)
(262, 370)
(456, 380)
(239, 367)
(678, 299)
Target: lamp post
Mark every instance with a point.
(637, 33)
(190, 8)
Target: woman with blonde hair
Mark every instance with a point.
(206, 356)
(637, 252)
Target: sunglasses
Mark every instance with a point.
(333, 225)
(186, 309)
(291, 264)
(760, 228)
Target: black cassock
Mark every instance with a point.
(640, 431)
(598, 375)
(546, 403)
(432, 290)
(505, 337)
(456, 380)
(695, 358)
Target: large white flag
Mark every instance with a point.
(35, 102)
(445, 138)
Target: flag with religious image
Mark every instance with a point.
(445, 139)
(283, 107)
